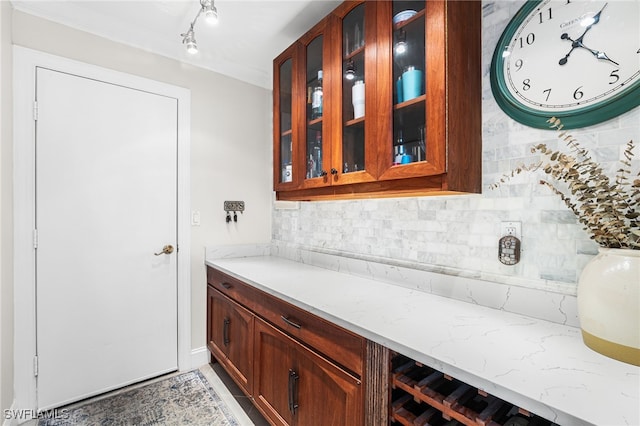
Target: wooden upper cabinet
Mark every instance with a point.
(402, 102)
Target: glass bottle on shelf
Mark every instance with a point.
(408, 81)
(353, 90)
(317, 98)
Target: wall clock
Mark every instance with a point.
(578, 60)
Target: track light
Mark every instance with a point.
(210, 16)
(210, 12)
(401, 44)
(350, 72)
(189, 38)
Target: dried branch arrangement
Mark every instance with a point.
(609, 211)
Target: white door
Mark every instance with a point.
(106, 200)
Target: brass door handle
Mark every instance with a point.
(168, 249)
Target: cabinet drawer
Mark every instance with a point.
(336, 343)
(237, 290)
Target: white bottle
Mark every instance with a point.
(357, 97)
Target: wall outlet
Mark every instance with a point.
(511, 228)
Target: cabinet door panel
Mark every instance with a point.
(239, 329)
(272, 365)
(217, 311)
(230, 337)
(325, 394)
(294, 385)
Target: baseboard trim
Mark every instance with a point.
(199, 357)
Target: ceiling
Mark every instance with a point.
(248, 36)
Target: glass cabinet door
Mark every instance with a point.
(353, 91)
(284, 129)
(315, 109)
(355, 157)
(315, 155)
(416, 140)
(409, 141)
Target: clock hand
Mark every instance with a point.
(578, 42)
(598, 54)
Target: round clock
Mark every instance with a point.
(577, 60)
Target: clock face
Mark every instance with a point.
(578, 60)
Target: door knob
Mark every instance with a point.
(168, 249)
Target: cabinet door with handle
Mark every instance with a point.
(230, 336)
(296, 386)
(273, 379)
(322, 393)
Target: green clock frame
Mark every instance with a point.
(624, 101)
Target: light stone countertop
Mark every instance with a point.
(538, 365)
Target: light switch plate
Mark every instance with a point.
(195, 218)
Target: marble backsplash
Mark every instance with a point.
(466, 286)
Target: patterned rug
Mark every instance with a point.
(185, 399)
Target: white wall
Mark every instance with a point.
(459, 234)
(6, 221)
(230, 139)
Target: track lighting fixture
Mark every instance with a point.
(401, 43)
(189, 38)
(350, 72)
(210, 12)
(210, 16)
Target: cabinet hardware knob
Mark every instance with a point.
(334, 171)
(226, 285)
(291, 323)
(323, 173)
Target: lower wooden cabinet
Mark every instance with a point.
(296, 386)
(298, 368)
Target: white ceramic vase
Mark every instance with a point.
(609, 304)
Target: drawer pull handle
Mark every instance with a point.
(226, 285)
(293, 391)
(291, 323)
(225, 331)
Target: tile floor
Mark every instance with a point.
(243, 401)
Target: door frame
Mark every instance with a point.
(24, 71)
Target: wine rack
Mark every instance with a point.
(423, 396)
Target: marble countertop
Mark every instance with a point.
(538, 365)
